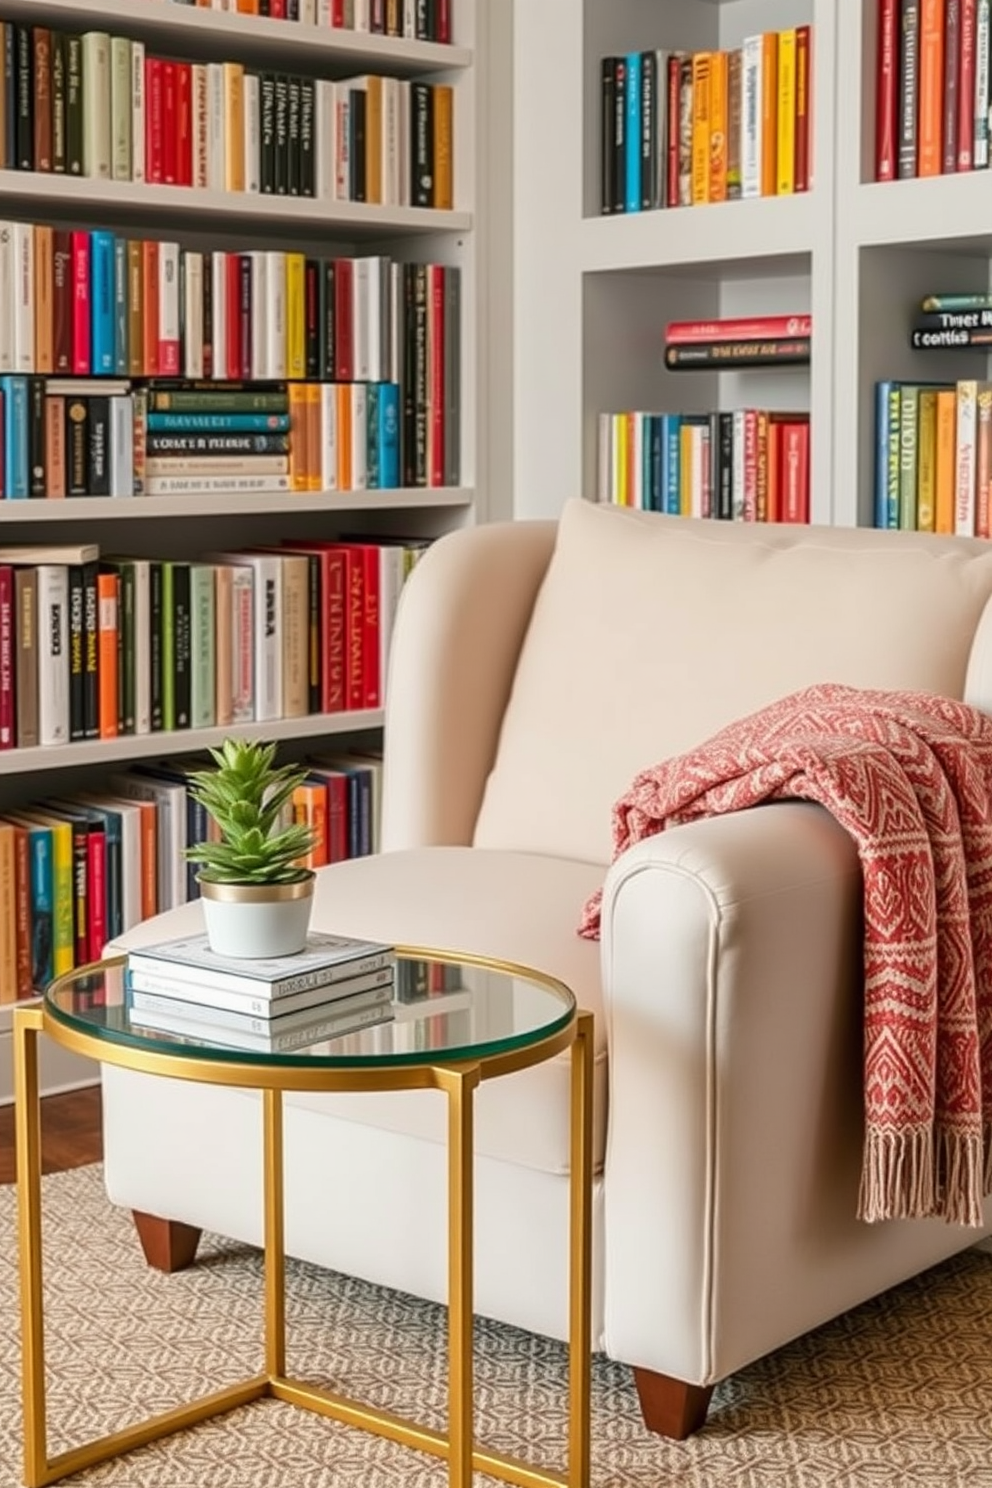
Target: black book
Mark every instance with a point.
(267, 126)
(326, 323)
(74, 105)
(909, 74)
(707, 355)
(281, 147)
(77, 457)
(59, 152)
(422, 21)
(24, 122)
(156, 618)
(607, 154)
(36, 436)
(308, 166)
(725, 467)
(356, 143)
(293, 135)
(77, 725)
(182, 673)
(244, 310)
(422, 144)
(311, 310)
(208, 314)
(620, 135)
(649, 131)
(292, 10)
(10, 97)
(203, 445)
(91, 641)
(421, 395)
(98, 481)
(315, 650)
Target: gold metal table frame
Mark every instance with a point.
(458, 1080)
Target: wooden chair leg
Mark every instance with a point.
(168, 1244)
(670, 1407)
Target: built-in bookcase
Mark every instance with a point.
(209, 219)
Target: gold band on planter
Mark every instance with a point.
(231, 893)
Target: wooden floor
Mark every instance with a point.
(71, 1133)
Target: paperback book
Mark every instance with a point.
(266, 1040)
(218, 1021)
(325, 960)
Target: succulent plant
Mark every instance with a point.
(245, 795)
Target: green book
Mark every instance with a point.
(908, 450)
(202, 660)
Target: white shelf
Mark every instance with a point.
(183, 741)
(938, 212)
(41, 192)
(276, 44)
(772, 230)
(229, 503)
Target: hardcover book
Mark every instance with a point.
(326, 959)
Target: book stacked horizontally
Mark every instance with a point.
(335, 986)
(730, 345)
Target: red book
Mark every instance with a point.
(154, 121)
(887, 90)
(80, 304)
(344, 322)
(170, 122)
(62, 300)
(795, 472)
(232, 313)
(371, 649)
(184, 123)
(6, 656)
(22, 917)
(96, 894)
(966, 87)
(763, 328)
(337, 12)
(672, 97)
(277, 10)
(344, 639)
(435, 375)
(443, 21)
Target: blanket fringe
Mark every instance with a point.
(919, 1176)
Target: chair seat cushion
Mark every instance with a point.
(518, 907)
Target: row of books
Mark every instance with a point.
(932, 88)
(749, 464)
(95, 304)
(736, 344)
(681, 129)
(933, 457)
(96, 648)
(417, 20)
(81, 869)
(98, 106)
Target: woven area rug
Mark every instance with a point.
(897, 1392)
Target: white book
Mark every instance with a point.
(260, 328)
(216, 138)
(325, 960)
(168, 309)
(361, 292)
(252, 109)
(410, 19)
(218, 297)
(121, 447)
(120, 108)
(275, 316)
(53, 654)
(310, 1031)
(964, 483)
(323, 137)
(267, 640)
(359, 437)
(200, 112)
(324, 13)
(7, 277)
(981, 130)
(751, 116)
(392, 141)
(169, 798)
(242, 644)
(23, 255)
(96, 114)
(215, 485)
(353, 991)
(363, 15)
(308, 12)
(137, 111)
(738, 476)
(342, 143)
(193, 316)
(328, 436)
(391, 562)
(142, 647)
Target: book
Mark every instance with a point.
(251, 1004)
(322, 1031)
(327, 959)
(269, 1022)
(705, 355)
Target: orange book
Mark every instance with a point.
(299, 454)
(343, 393)
(774, 482)
(931, 99)
(149, 306)
(148, 817)
(54, 446)
(310, 809)
(44, 299)
(946, 460)
(719, 125)
(234, 126)
(373, 138)
(701, 102)
(311, 398)
(769, 113)
(107, 596)
(444, 189)
(136, 309)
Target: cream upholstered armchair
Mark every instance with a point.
(536, 668)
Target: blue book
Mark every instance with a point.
(654, 495)
(16, 472)
(893, 452)
(387, 397)
(218, 423)
(632, 134)
(121, 361)
(42, 891)
(671, 464)
(103, 357)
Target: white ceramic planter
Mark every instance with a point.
(256, 921)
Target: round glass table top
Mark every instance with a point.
(431, 1010)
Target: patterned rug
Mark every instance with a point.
(897, 1392)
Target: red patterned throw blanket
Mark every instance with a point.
(909, 777)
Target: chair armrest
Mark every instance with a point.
(731, 963)
(462, 618)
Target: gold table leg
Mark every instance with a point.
(275, 1248)
(460, 1085)
(27, 1114)
(580, 1256)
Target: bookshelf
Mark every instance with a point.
(473, 236)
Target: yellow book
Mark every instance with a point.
(234, 126)
(686, 465)
(769, 113)
(701, 77)
(786, 168)
(622, 493)
(618, 449)
(926, 461)
(944, 463)
(8, 913)
(719, 125)
(311, 397)
(299, 443)
(296, 328)
(444, 191)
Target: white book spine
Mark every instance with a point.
(323, 134)
(395, 322)
(328, 436)
(981, 132)
(604, 458)
(391, 142)
(120, 108)
(216, 143)
(390, 584)
(137, 111)
(199, 111)
(218, 296)
(964, 485)
(738, 482)
(363, 15)
(121, 447)
(323, 12)
(53, 654)
(23, 244)
(168, 309)
(635, 476)
(253, 132)
(243, 644)
(214, 485)
(362, 316)
(193, 322)
(260, 328)
(359, 437)
(751, 116)
(96, 114)
(308, 12)
(268, 637)
(7, 277)
(410, 19)
(342, 143)
(275, 313)
(142, 647)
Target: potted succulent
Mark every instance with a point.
(257, 897)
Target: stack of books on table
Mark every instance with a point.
(335, 986)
